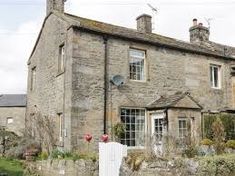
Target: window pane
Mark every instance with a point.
(134, 123)
(136, 64)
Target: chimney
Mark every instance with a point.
(55, 5)
(199, 33)
(144, 23)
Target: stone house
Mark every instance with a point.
(12, 112)
(88, 75)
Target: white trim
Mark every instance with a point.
(212, 82)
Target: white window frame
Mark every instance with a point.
(61, 60)
(61, 127)
(212, 76)
(10, 120)
(182, 136)
(134, 56)
(144, 126)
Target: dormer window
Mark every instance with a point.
(215, 77)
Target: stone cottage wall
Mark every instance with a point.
(18, 115)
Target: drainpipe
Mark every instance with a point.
(106, 82)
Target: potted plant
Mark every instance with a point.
(118, 130)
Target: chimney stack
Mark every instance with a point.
(144, 23)
(199, 33)
(55, 5)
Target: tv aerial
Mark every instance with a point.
(208, 20)
(154, 13)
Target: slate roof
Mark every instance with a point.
(170, 101)
(13, 100)
(208, 49)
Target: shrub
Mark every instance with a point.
(228, 121)
(217, 165)
(118, 130)
(134, 160)
(23, 145)
(230, 144)
(43, 155)
(218, 136)
(206, 141)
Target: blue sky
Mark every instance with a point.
(20, 22)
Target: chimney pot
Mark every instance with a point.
(194, 22)
(200, 24)
(144, 23)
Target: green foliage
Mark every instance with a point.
(218, 135)
(230, 144)
(218, 165)
(59, 154)
(43, 156)
(118, 130)
(228, 121)
(11, 167)
(206, 142)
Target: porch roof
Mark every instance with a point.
(178, 100)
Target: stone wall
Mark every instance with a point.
(51, 93)
(67, 167)
(167, 72)
(17, 114)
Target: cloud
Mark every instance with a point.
(15, 48)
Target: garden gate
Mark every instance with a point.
(110, 158)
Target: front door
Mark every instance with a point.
(157, 131)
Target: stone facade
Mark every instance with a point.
(12, 112)
(95, 52)
(17, 114)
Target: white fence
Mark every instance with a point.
(110, 158)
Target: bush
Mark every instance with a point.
(228, 121)
(218, 136)
(206, 141)
(217, 165)
(23, 145)
(43, 156)
(230, 144)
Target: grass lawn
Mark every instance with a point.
(11, 167)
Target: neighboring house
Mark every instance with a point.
(89, 75)
(12, 112)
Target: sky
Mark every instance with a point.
(21, 20)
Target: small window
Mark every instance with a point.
(9, 120)
(215, 76)
(183, 129)
(61, 63)
(33, 78)
(137, 64)
(61, 127)
(134, 121)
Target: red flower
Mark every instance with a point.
(88, 137)
(105, 138)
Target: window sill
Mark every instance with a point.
(138, 81)
(216, 88)
(136, 148)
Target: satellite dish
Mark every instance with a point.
(117, 80)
